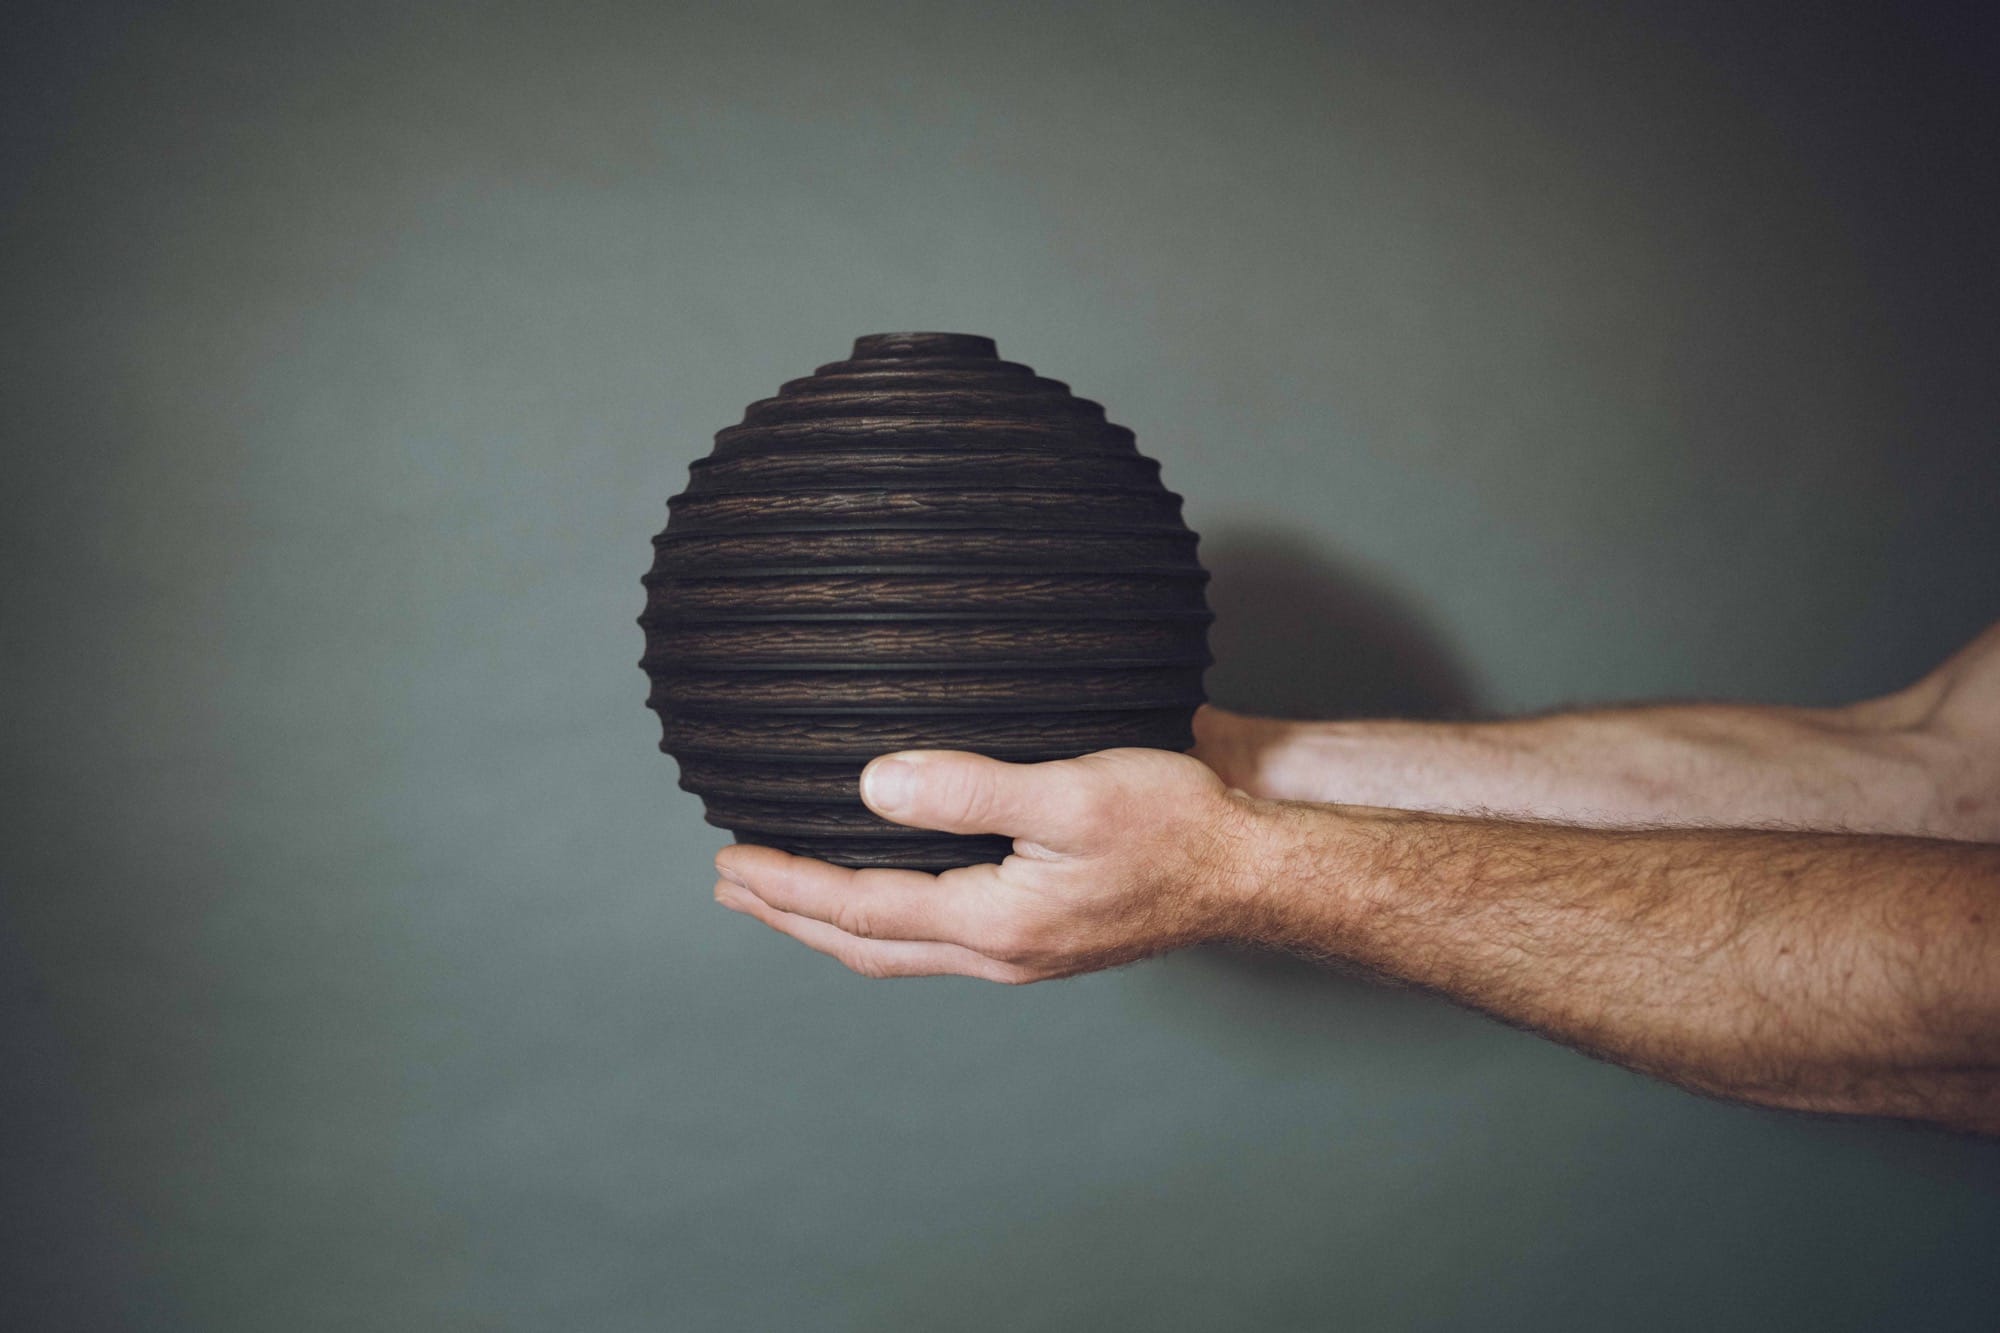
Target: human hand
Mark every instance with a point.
(1117, 855)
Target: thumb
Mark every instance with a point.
(955, 791)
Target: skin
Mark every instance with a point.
(1793, 907)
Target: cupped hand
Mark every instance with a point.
(1117, 855)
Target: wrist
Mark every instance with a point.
(1296, 875)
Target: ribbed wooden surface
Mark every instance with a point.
(920, 547)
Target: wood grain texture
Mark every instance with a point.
(920, 547)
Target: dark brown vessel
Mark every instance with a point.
(920, 547)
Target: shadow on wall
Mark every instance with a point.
(1297, 635)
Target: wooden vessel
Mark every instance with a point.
(919, 547)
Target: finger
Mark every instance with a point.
(1056, 804)
(870, 958)
(869, 904)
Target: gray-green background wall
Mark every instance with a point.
(360, 964)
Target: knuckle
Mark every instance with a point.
(854, 918)
(1094, 797)
(1011, 940)
(963, 795)
(866, 964)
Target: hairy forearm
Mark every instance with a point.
(1686, 764)
(1817, 971)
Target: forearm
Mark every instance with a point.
(1824, 972)
(1924, 760)
(1855, 769)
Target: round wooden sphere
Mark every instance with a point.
(920, 547)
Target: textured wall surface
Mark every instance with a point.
(360, 965)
